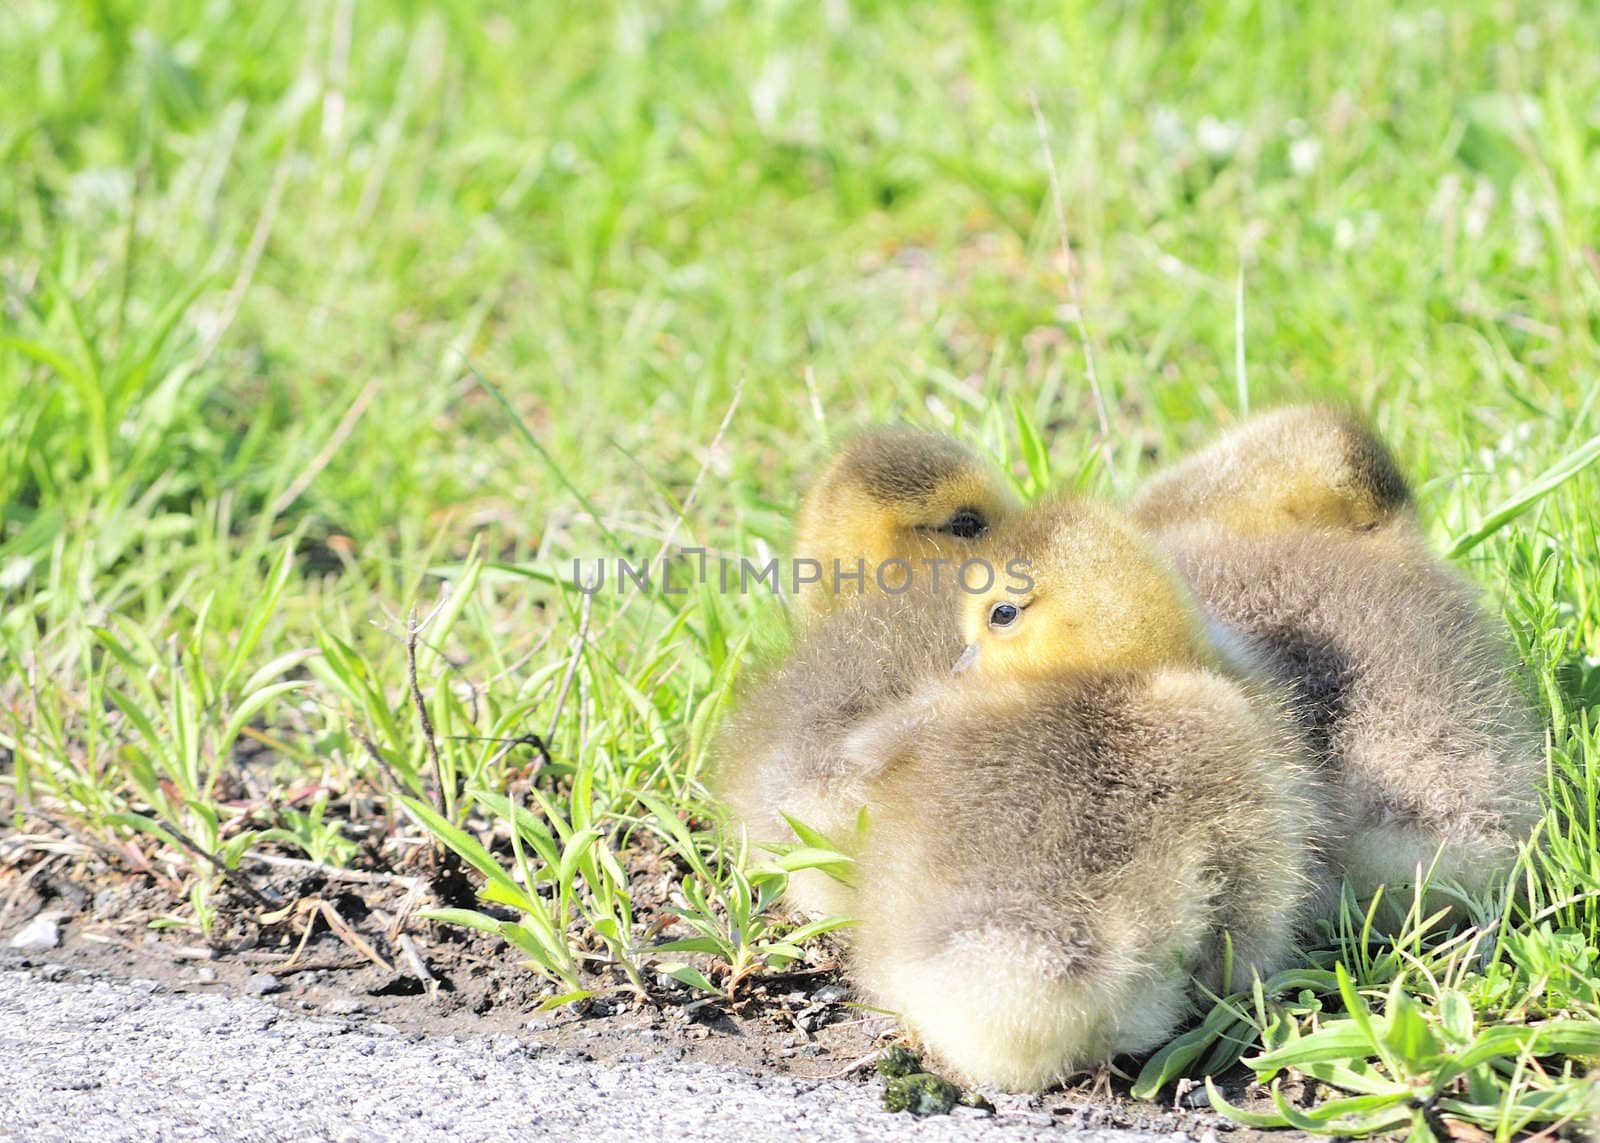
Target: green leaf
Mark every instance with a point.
(1338, 1040)
(1356, 1005)
(676, 831)
(691, 944)
(577, 846)
(254, 703)
(1238, 1114)
(526, 823)
(570, 998)
(59, 363)
(1357, 1115)
(1531, 493)
(804, 857)
(255, 624)
(689, 975)
(1035, 454)
(808, 836)
(232, 850)
(817, 928)
(1355, 1075)
(462, 918)
(445, 618)
(142, 824)
(1179, 1055)
(1455, 1014)
(1407, 1034)
(469, 849)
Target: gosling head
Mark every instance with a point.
(1307, 466)
(1092, 595)
(898, 494)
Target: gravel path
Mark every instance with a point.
(110, 1061)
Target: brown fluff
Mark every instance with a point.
(1403, 686)
(1051, 854)
(896, 494)
(782, 751)
(891, 493)
(1302, 466)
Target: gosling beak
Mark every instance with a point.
(968, 658)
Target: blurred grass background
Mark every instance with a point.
(257, 262)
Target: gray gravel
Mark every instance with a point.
(110, 1061)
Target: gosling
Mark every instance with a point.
(781, 754)
(1084, 817)
(894, 509)
(1298, 533)
(892, 494)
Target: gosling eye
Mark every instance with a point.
(1003, 615)
(966, 524)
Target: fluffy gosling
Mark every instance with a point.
(896, 494)
(1064, 832)
(1297, 534)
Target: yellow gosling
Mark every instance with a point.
(1296, 533)
(1065, 832)
(889, 502)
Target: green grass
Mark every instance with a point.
(315, 314)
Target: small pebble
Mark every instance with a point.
(831, 994)
(205, 975)
(630, 1057)
(262, 984)
(39, 935)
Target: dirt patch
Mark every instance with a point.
(335, 951)
(431, 980)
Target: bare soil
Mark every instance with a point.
(344, 944)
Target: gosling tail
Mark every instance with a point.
(1024, 996)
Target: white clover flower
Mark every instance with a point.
(1304, 154)
(1218, 138)
(1167, 127)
